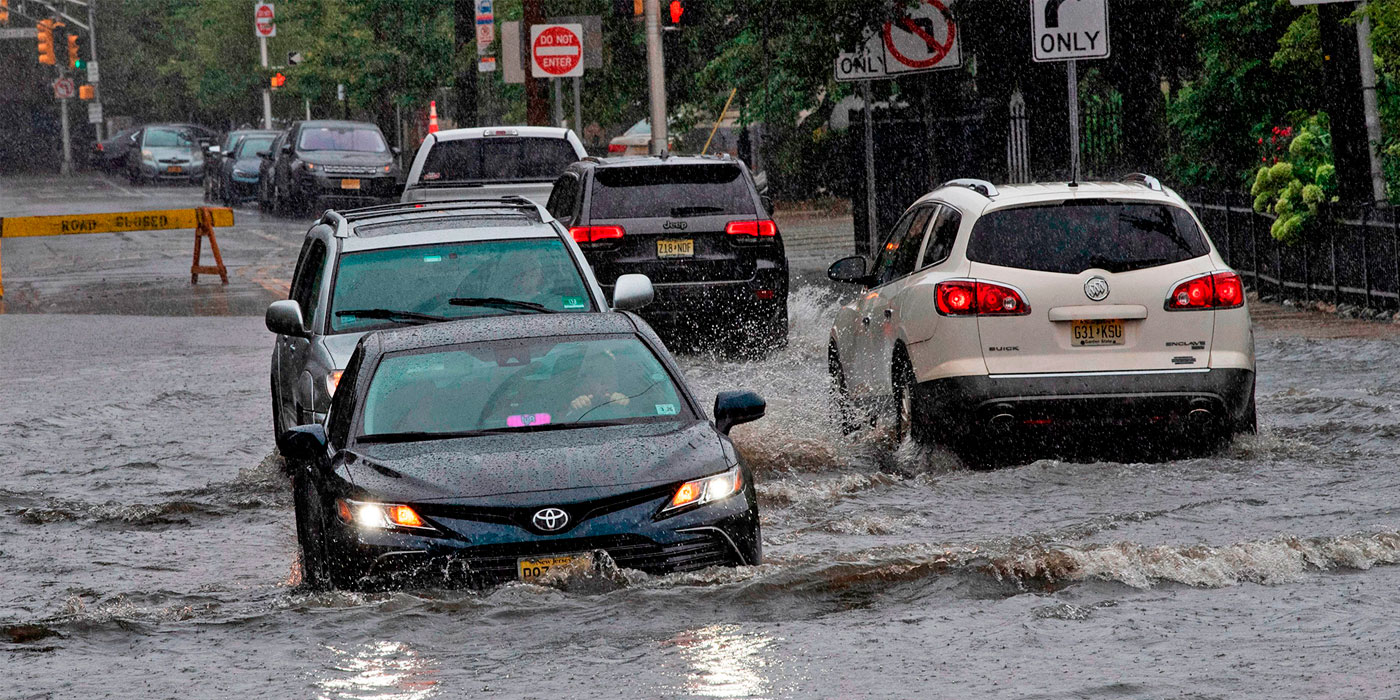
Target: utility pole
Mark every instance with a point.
(267, 92)
(1072, 72)
(656, 68)
(94, 71)
(67, 167)
(536, 103)
(1368, 97)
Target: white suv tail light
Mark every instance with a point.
(979, 298)
(1213, 290)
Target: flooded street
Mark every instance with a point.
(148, 546)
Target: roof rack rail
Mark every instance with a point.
(982, 187)
(1145, 180)
(511, 201)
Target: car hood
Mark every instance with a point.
(247, 165)
(346, 158)
(522, 469)
(341, 346)
(537, 192)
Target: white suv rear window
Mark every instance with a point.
(1072, 237)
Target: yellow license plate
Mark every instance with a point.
(174, 169)
(533, 568)
(1087, 334)
(349, 184)
(675, 249)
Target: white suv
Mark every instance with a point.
(1031, 308)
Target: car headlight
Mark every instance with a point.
(310, 167)
(147, 155)
(707, 490)
(380, 516)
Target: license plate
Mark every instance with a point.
(349, 184)
(174, 169)
(675, 248)
(1089, 334)
(535, 567)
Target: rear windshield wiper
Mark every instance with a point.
(512, 305)
(392, 315)
(678, 212)
(1112, 265)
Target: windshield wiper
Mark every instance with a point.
(1105, 263)
(424, 435)
(678, 212)
(392, 315)
(511, 305)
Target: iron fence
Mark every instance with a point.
(1351, 257)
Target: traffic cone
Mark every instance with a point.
(432, 117)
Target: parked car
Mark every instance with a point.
(636, 141)
(405, 264)
(266, 160)
(1033, 309)
(490, 162)
(162, 152)
(233, 177)
(502, 449)
(697, 227)
(330, 163)
(109, 155)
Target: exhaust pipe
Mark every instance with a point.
(1002, 421)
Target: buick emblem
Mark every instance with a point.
(1096, 288)
(551, 519)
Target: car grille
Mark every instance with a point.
(492, 564)
(350, 169)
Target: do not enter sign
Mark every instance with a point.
(556, 50)
(264, 20)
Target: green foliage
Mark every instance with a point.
(1296, 188)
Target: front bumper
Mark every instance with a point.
(483, 547)
(330, 189)
(957, 405)
(161, 171)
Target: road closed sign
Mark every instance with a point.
(556, 50)
(264, 20)
(1069, 30)
(926, 38)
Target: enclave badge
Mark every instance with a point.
(551, 519)
(1096, 288)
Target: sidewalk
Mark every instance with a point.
(815, 239)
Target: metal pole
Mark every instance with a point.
(1072, 69)
(267, 93)
(578, 105)
(556, 100)
(1368, 99)
(656, 68)
(67, 167)
(871, 234)
(308, 109)
(92, 60)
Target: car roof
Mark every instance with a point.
(658, 161)
(475, 330)
(962, 195)
(552, 132)
(336, 122)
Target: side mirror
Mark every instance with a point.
(287, 147)
(214, 149)
(303, 443)
(767, 204)
(850, 270)
(284, 318)
(396, 150)
(735, 407)
(229, 154)
(632, 292)
(265, 154)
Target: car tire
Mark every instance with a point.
(1249, 423)
(315, 569)
(843, 412)
(907, 424)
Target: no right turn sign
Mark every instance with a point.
(1067, 30)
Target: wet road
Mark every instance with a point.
(147, 547)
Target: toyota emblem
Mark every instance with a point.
(551, 519)
(1096, 288)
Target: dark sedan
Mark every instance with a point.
(508, 448)
(233, 177)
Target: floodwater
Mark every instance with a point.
(147, 547)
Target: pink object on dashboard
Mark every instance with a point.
(525, 420)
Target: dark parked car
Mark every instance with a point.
(232, 175)
(325, 163)
(696, 226)
(109, 155)
(502, 448)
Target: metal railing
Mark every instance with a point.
(1351, 257)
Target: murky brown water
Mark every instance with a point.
(146, 548)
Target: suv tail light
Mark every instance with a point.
(593, 234)
(1213, 290)
(978, 298)
(765, 228)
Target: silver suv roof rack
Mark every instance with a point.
(1145, 180)
(982, 187)
(341, 219)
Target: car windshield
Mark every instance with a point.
(658, 190)
(521, 384)
(168, 138)
(399, 286)
(1076, 236)
(495, 159)
(253, 144)
(341, 138)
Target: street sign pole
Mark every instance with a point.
(67, 167)
(1072, 70)
(656, 67)
(578, 105)
(870, 233)
(92, 64)
(267, 92)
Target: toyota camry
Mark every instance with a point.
(496, 449)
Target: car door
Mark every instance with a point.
(866, 371)
(918, 314)
(894, 280)
(293, 352)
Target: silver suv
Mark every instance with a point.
(406, 264)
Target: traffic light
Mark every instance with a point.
(278, 80)
(629, 8)
(4, 11)
(73, 61)
(45, 33)
(676, 11)
(86, 92)
(680, 13)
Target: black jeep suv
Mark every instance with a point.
(697, 227)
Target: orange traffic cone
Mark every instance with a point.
(432, 117)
